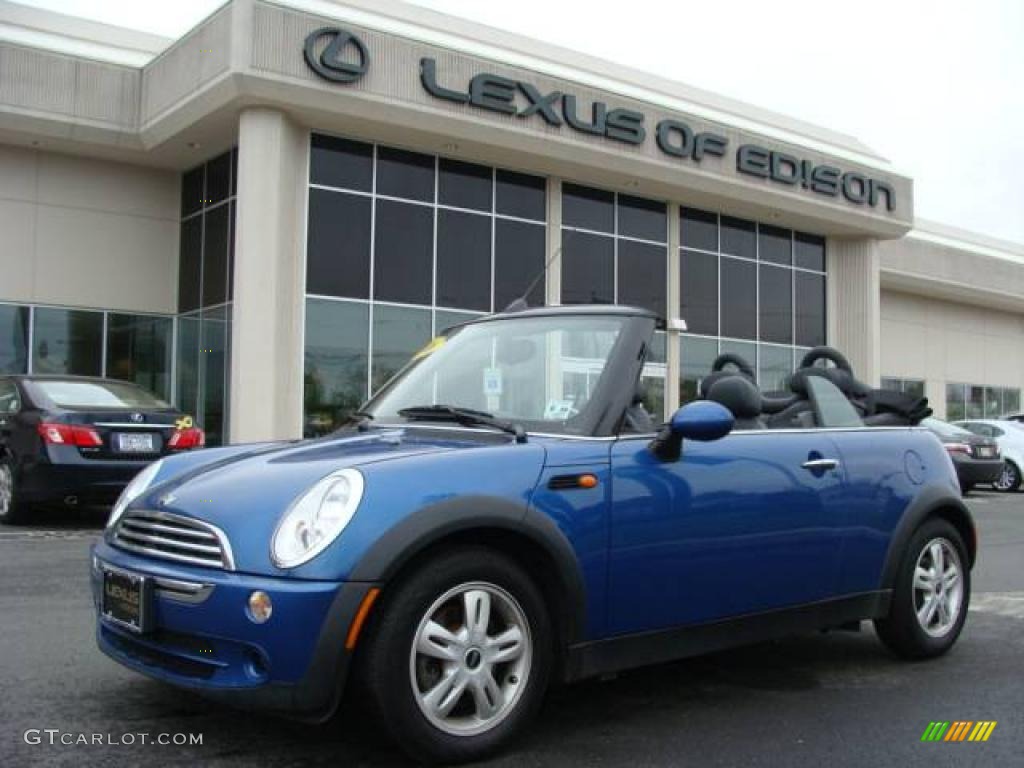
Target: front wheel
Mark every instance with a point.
(931, 594)
(1009, 480)
(459, 658)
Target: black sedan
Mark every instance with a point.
(975, 457)
(75, 440)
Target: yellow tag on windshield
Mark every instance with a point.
(432, 346)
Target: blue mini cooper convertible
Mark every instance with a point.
(503, 515)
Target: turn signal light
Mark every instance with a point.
(183, 439)
(69, 434)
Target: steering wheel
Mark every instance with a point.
(727, 358)
(826, 353)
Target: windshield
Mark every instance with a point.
(98, 394)
(945, 429)
(538, 372)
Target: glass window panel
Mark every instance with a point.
(139, 350)
(336, 162)
(914, 387)
(1011, 402)
(463, 260)
(739, 237)
(215, 256)
(190, 263)
(588, 208)
(775, 244)
(642, 278)
(809, 251)
(465, 185)
(746, 350)
(404, 253)
(810, 309)
(213, 365)
(234, 171)
(218, 179)
(775, 364)
(893, 385)
(776, 304)
(67, 341)
(699, 229)
(446, 318)
(519, 250)
(187, 364)
(993, 402)
(336, 355)
(338, 244)
(739, 298)
(698, 277)
(13, 339)
(696, 355)
(956, 405)
(646, 219)
(656, 351)
(231, 250)
(588, 264)
(192, 191)
(398, 332)
(975, 402)
(401, 173)
(521, 195)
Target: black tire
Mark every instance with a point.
(901, 631)
(386, 667)
(13, 512)
(1011, 474)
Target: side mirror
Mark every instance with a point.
(702, 420)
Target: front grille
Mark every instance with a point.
(173, 537)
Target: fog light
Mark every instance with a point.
(260, 607)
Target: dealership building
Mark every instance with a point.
(263, 219)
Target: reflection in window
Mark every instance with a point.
(697, 354)
(775, 364)
(139, 350)
(213, 370)
(337, 339)
(67, 341)
(398, 332)
(13, 339)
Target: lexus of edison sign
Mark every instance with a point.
(344, 59)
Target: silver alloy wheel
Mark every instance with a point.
(470, 660)
(938, 587)
(6, 489)
(1007, 478)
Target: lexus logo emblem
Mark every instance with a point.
(137, 418)
(343, 60)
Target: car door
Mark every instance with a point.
(750, 523)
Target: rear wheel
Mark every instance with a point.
(931, 594)
(10, 511)
(1009, 480)
(460, 655)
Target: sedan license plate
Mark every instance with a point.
(126, 598)
(135, 443)
(986, 452)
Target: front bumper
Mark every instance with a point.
(295, 664)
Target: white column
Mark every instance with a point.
(269, 295)
(553, 281)
(853, 304)
(673, 355)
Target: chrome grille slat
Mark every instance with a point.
(173, 537)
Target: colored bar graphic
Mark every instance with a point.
(958, 730)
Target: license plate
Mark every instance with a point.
(126, 599)
(135, 443)
(986, 452)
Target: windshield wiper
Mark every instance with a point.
(465, 416)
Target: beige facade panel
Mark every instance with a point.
(87, 233)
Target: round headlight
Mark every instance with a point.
(134, 489)
(316, 518)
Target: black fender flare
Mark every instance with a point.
(436, 522)
(933, 501)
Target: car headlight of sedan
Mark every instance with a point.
(316, 518)
(133, 490)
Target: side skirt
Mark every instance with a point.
(612, 654)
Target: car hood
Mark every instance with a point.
(244, 490)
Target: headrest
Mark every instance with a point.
(738, 394)
(712, 378)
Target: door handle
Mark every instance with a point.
(820, 464)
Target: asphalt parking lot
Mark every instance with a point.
(835, 699)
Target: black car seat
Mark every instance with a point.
(741, 397)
